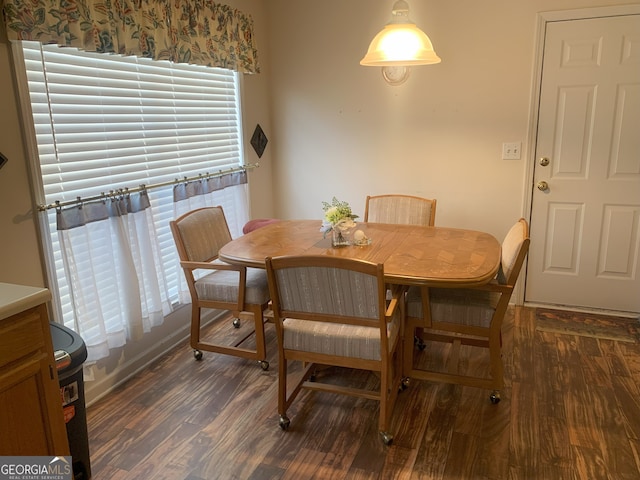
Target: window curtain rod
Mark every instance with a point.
(126, 190)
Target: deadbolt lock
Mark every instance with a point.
(544, 161)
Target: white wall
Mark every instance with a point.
(339, 129)
(255, 110)
(19, 252)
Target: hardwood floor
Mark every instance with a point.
(570, 410)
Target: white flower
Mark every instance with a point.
(337, 215)
(344, 224)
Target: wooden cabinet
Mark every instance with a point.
(31, 419)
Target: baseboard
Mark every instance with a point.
(595, 311)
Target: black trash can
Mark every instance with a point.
(71, 352)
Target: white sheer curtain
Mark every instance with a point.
(112, 260)
(229, 191)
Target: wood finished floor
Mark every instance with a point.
(570, 410)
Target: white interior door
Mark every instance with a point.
(585, 218)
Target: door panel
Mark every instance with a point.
(563, 240)
(619, 236)
(585, 226)
(573, 132)
(625, 152)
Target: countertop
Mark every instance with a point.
(18, 298)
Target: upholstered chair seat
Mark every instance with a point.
(341, 340)
(468, 307)
(222, 286)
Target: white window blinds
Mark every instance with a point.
(108, 122)
(123, 121)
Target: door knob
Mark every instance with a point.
(542, 186)
(544, 161)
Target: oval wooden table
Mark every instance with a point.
(411, 254)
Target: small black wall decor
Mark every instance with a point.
(259, 140)
(3, 160)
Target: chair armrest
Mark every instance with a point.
(397, 296)
(210, 266)
(242, 280)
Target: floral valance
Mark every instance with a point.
(184, 31)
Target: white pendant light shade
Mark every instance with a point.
(400, 43)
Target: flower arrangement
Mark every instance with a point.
(338, 217)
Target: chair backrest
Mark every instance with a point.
(400, 209)
(323, 288)
(200, 234)
(514, 249)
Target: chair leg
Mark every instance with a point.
(384, 399)
(497, 369)
(284, 421)
(261, 345)
(287, 395)
(261, 348)
(418, 340)
(195, 332)
(408, 348)
(391, 380)
(195, 326)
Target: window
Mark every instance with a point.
(106, 122)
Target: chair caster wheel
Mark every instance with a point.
(284, 422)
(495, 397)
(404, 384)
(236, 323)
(264, 365)
(387, 438)
(197, 354)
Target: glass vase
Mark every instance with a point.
(339, 238)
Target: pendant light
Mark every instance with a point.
(399, 45)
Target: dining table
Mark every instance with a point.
(411, 254)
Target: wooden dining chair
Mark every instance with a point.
(332, 311)
(199, 235)
(467, 316)
(400, 209)
(405, 210)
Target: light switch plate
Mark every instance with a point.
(511, 151)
